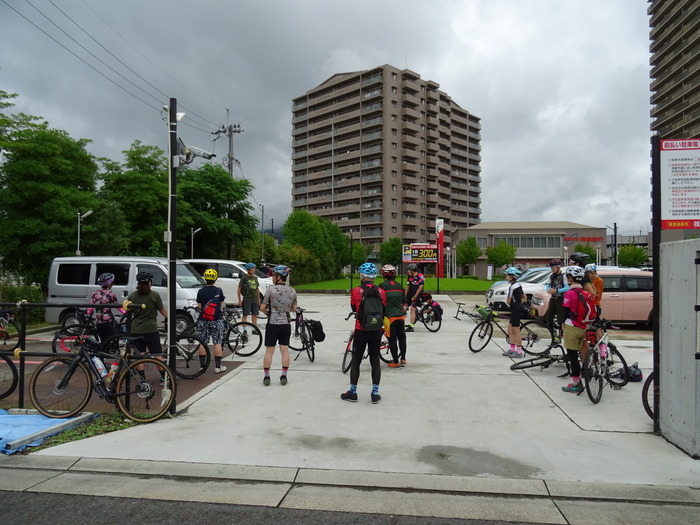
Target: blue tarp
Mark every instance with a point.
(14, 427)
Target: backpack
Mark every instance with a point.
(211, 309)
(586, 312)
(316, 330)
(371, 311)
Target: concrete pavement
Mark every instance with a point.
(456, 434)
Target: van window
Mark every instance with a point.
(202, 267)
(120, 271)
(187, 277)
(73, 273)
(159, 277)
(228, 271)
(612, 283)
(638, 284)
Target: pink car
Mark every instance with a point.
(627, 296)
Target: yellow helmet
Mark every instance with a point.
(211, 274)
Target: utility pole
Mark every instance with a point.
(262, 234)
(229, 160)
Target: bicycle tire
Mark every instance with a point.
(295, 342)
(347, 355)
(56, 395)
(244, 339)
(592, 377)
(187, 362)
(309, 343)
(537, 337)
(117, 343)
(481, 335)
(540, 361)
(8, 376)
(384, 350)
(615, 357)
(145, 390)
(648, 395)
(10, 336)
(430, 323)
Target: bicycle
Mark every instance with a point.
(241, 337)
(648, 391)
(384, 351)
(301, 338)
(9, 331)
(8, 375)
(537, 337)
(545, 360)
(143, 388)
(462, 311)
(431, 320)
(598, 365)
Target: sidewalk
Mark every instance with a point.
(456, 434)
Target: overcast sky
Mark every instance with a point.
(561, 87)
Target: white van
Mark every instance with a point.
(73, 279)
(230, 273)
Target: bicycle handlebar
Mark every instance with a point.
(351, 314)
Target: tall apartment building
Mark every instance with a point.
(675, 71)
(383, 153)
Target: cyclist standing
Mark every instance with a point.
(144, 322)
(596, 289)
(416, 282)
(249, 294)
(396, 313)
(105, 324)
(211, 328)
(517, 311)
(556, 287)
(280, 299)
(371, 339)
(574, 332)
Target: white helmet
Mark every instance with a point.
(576, 272)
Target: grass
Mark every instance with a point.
(103, 424)
(431, 284)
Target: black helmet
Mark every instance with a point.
(143, 277)
(554, 262)
(413, 267)
(579, 258)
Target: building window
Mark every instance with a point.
(394, 202)
(393, 229)
(394, 90)
(394, 215)
(393, 132)
(394, 173)
(393, 145)
(393, 160)
(394, 187)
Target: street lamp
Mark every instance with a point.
(192, 232)
(80, 220)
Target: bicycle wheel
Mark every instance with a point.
(648, 395)
(537, 337)
(295, 342)
(243, 339)
(60, 387)
(384, 351)
(481, 335)
(145, 390)
(542, 362)
(9, 336)
(616, 362)
(347, 355)
(8, 376)
(309, 343)
(592, 378)
(431, 324)
(187, 362)
(118, 343)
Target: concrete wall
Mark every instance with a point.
(679, 387)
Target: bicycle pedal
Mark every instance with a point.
(616, 387)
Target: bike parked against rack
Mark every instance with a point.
(9, 331)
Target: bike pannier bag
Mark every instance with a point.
(316, 330)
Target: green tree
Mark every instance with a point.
(501, 254)
(139, 188)
(631, 255)
(208, 198)
(587, 249)
(47, 179)
(251, 250)
(305, 267)
(391, 252)
(468, 252)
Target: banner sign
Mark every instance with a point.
(680, 184)
(420, 253)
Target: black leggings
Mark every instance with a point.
(372, 340)
(397, 334)
(573, 356)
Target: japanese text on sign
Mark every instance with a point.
(680, 184)
(420, 253)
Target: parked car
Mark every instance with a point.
(230, 273)
(73, 279)
(533, 280)
(627, 296)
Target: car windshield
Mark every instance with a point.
(187, 277)
(534, 277)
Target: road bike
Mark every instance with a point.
(143, 388)
(9, 331)
(301, 338)
(384, 351)
(648, 391)
(431, 320)
(536, 335)
(602, 365)
(241, 337)
(544, 361)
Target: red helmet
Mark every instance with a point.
(388, 270)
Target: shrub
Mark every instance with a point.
(12, 293)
